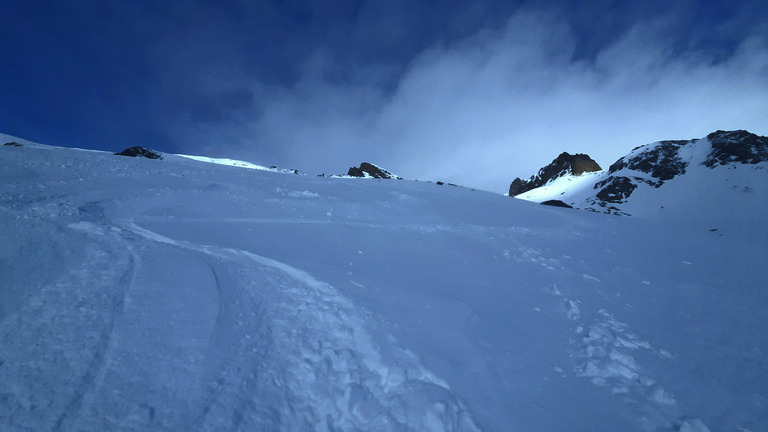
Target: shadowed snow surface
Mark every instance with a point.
(179, 295)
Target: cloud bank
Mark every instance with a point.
(493, 106)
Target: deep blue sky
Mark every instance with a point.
(489, 89)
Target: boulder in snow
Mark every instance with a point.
(140, 152)
(556, 203)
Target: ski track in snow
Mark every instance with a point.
(333, 375)
(604, 348)
(87, 301)
(137, 331)
(295, 354)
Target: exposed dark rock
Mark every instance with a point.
(615, 189)
(615, 211)
(13, 143)
(440, 183)
(519, 186)
(370, 170)
(566, 163)
(660, 160)
(736, 146)
(581, 163)
(556, 203)
(140, 152)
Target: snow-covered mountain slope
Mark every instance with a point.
(562, 187)
(564, 165)
(176, 295)
(719, 177)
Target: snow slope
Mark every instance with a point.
(564, 187)
(177, 295)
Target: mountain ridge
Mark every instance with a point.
(653, 166)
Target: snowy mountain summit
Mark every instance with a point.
(724, 172)
(207, 294)
(563, 165)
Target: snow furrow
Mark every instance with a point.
(333, 374)
(49, 374)
(95, 373)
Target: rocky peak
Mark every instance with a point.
(371, 171)
(565, 163)
(737, 146)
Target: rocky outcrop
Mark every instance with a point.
(369, 170)
(556, 203)
(660, 160)
(615, 189)
(13, 144)
(519, 186)
(736, 146)
(630, 185)
(566, 163)
(140, 152)
(656, 163)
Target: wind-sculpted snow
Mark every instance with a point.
(179, 295)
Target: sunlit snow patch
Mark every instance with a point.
(561, 188)
(236, 163)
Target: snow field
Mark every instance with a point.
(183, 295)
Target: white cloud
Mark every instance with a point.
(502, 104)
